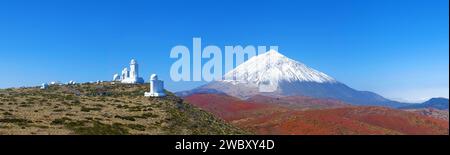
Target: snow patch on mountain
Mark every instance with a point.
(268, 70)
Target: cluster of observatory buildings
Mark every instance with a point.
(129, 76)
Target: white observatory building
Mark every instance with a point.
(156, 87)
(130, 76)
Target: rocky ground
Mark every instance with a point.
(435, 113)
(102, 109)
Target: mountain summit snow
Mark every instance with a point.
(270, 69)
(273, 74)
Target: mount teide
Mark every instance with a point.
(273, 74)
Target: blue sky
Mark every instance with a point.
(397, 48)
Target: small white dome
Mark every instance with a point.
(133, 61)
(154, 77)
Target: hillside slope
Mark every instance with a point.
(278, 119)
(102, 109)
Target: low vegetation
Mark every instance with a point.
(278, 119)
(102, 109)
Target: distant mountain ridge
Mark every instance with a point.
(436, 103)
(273, 74)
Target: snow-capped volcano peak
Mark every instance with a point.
(268, 70)
(273, 52)
(273, 74)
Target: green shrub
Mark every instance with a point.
(129, 118)
(136, 127)
(87, 109)
(60, 121)
(97, 128)
(17, 121)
